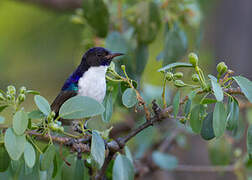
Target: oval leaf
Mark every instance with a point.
(218, 93)
(129, 98)
(42, 104)
(29, 155)
(219, 119)
(207, 131)
(4, 159)
(195, 120)
(176, 104)
(123, 169)
(164, 161)
(233, 114)
(97, 149)
(79, 107)
(20, 122)
(175, 44)
(245, 85)
(108, 104)
(47, 158)
(14, 144)
(175, 65)
(249, 141)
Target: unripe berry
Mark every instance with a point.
(21, 97)
(22, 90)
(193, 59)
(195, 77)
(178, 75)
(179, 83)
(168, 76)
(52, 114)
(11, 90)
(222, 68)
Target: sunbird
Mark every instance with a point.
(89, 78)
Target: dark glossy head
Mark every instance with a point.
(98, 56)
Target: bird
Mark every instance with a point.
(88, 79)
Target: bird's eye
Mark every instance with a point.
(99, 55)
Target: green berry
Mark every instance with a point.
(11, 90)
(193, 59)
(179, 83)
(195, 77)
(168, 76)
(178, 75)
(21, 97)
(222, 68)
(22, 90)
(52, 114)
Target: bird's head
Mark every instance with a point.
(99, 56)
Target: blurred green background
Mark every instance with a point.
(40, 47)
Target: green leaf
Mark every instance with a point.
(20, 122)
(218, 93)
(36, 115)
(108, 104)
(123, 169)
(129, 97)
(245, 85)
(147, 21)
(142, 54)
(79, 170)
(175, 44)
(195, 120)
(233, 114)
(128, 154)
(175, 65)
(47, 158)
(14, 144)
(115, 42)
(29, 155)
(42, 104)
(188, 107)
(175, 104)
(79, 107)
(97, 149)
(164, 161)
(4, 159)
(219, 119)
(97, 15)
(207, 131)
(249, 141)
(208, 101)
(3, 107)
(2, 119)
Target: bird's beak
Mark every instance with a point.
(112, 55)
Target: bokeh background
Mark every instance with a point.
(40, 46)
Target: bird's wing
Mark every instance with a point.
(60, 99)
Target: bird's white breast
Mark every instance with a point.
(93, 83)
